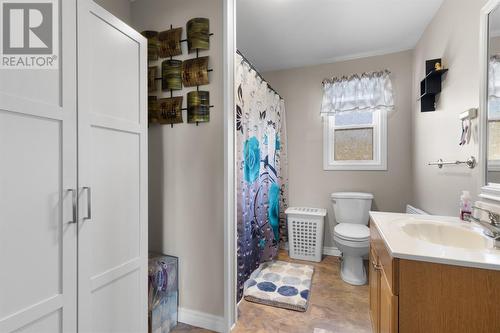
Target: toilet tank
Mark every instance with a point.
(351, 207)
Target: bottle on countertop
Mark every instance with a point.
(465, 206)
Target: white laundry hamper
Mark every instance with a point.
(305, 232)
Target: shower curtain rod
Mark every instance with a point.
(258, 74)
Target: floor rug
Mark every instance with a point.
(280, 284)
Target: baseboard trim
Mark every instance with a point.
(331, 251)
(201, 320)
(327, 250)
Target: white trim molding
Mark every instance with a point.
(202, 320)
(327, 250)
(230, 264)
(331, 251)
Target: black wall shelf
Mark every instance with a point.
(430, 86)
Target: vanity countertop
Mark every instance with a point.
(423, 238)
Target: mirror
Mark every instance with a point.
(489, 109)
(492, 111)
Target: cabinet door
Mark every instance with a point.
(388, 307)
(38, 235)
(112, 169)
(374, 281)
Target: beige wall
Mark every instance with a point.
(310, 185)
(453, 35)
(119, 8)
(186, 170)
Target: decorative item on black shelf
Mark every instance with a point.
(198, 34)
(170, 42)
(198, 107)
(171, 72)
(170, 110)
(153, 45)
(430, 86)
(152, 73)
(195, 72)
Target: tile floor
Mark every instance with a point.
(335, 307)
(183, 328)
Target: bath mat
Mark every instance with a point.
(280, 284)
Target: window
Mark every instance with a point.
(354, 113)
(355, 140)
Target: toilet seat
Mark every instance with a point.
(352, 232)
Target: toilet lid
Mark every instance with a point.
(352, 231)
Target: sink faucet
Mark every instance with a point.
(492, 227)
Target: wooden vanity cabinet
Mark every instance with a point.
(374, 282)
(388, 320)
(383, 286)
(409, 296)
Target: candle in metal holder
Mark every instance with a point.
(170, 110)
(170, 43)
(195, 72)
(153, 44)
(152, 109)
(198, 34)
(171, 72)
(198, 106)
(152, 73)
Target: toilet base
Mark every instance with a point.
(352, 270)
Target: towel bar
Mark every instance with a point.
(471, 163)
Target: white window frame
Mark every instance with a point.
(379, 162)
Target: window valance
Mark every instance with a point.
(368, 91)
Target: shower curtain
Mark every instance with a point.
(261, 171)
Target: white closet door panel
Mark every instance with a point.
(116, 179)
(36, 237)
(112, 142)
(45, 324)
(31, 85)
(38, 251)
(111, 51)
(111, 316)
(43, 86)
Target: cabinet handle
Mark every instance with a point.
(89, 203)
(73, 203)
(376, 266)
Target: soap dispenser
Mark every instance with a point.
(465, 205)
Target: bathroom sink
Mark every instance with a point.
(437, 239)
(447, 235)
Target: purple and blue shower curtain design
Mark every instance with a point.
(262, 171)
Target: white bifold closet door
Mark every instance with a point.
(38, 170)
(112, 173)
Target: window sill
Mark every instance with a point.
(356, 167)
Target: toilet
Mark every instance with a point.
(351, 233)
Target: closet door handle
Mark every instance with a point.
(89, 203)
(73, 204)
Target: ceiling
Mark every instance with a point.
(279, 34)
